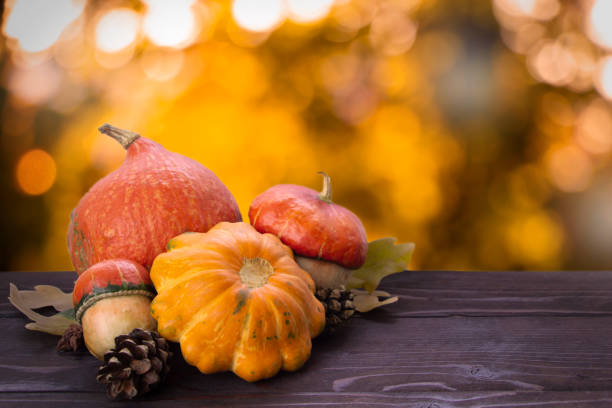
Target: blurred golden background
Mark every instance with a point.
(480, 130)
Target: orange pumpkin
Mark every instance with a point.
(236, 300)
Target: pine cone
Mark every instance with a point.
(72, 339)
(137, 364)
(339, 307)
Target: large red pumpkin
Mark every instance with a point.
(153, 196)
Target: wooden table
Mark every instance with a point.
(454, 339)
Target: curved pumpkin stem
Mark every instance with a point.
(124, 137)
(326, 194)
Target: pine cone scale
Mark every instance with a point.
(124, 356)
(346, 314)
(151, 378)
(141, 366)
(114, 363)
(163, 355)
(338, 304)
(157, 364)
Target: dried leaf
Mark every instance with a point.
(379, 293)
(384, 258)
(46, 295)
(366, 302)
(56, 324)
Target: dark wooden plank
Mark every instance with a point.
(567, 293)
(458, 354)
(558, 354)
(496, 399)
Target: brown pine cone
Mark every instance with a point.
(137, 364)
(338, 305)
(72, 339)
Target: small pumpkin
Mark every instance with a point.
(236, 300)
(110, 298)
(329, 240)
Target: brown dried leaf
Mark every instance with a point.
(366, 302)
(56, 324)
(46, 295)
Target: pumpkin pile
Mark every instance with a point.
(161, 253)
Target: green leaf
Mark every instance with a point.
(384, 258)
(26, 300)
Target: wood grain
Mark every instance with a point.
(502, 399)
(454, 339)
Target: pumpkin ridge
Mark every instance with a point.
(295, 283)
(276, 314)
(221, 243)
(236, 351)
(200, 314)
(215, 335)
(217, 273)
(173, 305)
(288, 266)
(290, 361)
(258, 354)
(274, 249)
(256, 216)
(291, 303)
(166, 261)
(310, 302)
(120, 272)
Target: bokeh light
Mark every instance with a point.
(35, 85)
(170, 23)
(350, 16)
(117, 29)
(563, 41)
(593, 130)
(516, 7)
(259, 15)
(302, 11)
(536, 9)
(162, 65)
(604, 78)
(49, 18)
(392, 32)
(552, 62)
(535, 239)
(599, 18)
(570, 168)
(35, 172)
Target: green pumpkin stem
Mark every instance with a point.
(124, 137)
(326, 194)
